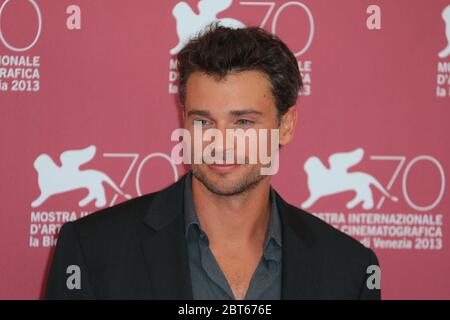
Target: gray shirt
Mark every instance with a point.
(208, 280)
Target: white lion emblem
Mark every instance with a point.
(446, 16)
(189, 23)
(53, 179)
(324, 182)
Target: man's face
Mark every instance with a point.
(242, 100)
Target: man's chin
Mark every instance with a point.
(226, 180)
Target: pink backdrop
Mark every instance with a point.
(108, 82)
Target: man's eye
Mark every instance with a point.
(244, 122)
(201, 122)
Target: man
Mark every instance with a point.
(221, 231)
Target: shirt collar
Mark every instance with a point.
(191, 218)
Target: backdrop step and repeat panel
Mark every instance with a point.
(88, 104)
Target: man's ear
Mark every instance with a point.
(287, 125)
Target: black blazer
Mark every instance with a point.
(137, 250)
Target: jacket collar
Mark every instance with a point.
(301, 267)
(166, 251)
(164, 245)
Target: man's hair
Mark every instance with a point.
(219, 51)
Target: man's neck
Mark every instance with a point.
(235, 220)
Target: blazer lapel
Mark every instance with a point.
(300, 270)
(165, 249)
(164, 245)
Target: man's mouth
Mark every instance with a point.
(223, 168)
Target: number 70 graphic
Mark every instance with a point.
(401, 163)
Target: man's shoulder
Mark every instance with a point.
(116, 220)
(341, 265)
(124, 220)
(324, 238)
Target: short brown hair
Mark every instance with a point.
(219, 51)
